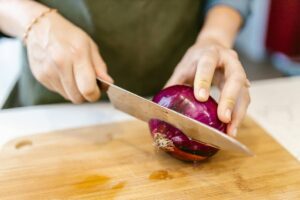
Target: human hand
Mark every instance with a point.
(209, 62)
(65, 59)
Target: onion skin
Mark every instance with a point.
(166, 137)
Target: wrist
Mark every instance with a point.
(212, 37)
(35, 22)
(221, 26)
(26, 10)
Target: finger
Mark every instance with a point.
(39, 72)
(54, 80)
(57, 86)
(41, 77)
(70, 86)
(47, 76)
(52, 86)
(228, 98)
(85, 76)
(47, 84)
(64, 67)
(99, 64)
(239, 112)
(206, 66)
(235, 80)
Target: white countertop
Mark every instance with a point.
(9, 66)
(275, 106)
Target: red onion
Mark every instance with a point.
(170, 139)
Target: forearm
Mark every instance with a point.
(16, 15)
(221, 25)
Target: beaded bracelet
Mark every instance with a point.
(35, 21)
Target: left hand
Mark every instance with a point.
(210, 62)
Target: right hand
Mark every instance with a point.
(65, 59)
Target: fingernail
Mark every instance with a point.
(202, 93)
(228, 114)
(234, 132)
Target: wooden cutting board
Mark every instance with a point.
(118, 161)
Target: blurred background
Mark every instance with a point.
(269, 45)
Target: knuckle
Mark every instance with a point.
(88, 92)
(213, 49)
(79, 47)
(204, 83)
(62, 93)
(191, 49)
(239, 77)
(95, 46)
(102, 67)
(203, 67)
(248, 98)
(77, 50)
(59, 60)
(83, 41)
(40, 77)
(192, 52)
(179, 70)
(47, 71)
(77, 99)
(95, 97)
(208, 63)
(43, 75)
(233, 53)
(230, 101)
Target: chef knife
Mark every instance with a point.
(145, 110)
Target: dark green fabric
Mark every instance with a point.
(140, 40)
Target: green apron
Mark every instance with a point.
(140, 40)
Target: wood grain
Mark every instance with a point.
(118, 161)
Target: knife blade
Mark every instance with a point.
(145, 110)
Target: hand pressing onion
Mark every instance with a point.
(181, 98)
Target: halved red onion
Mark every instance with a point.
(166, 137)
